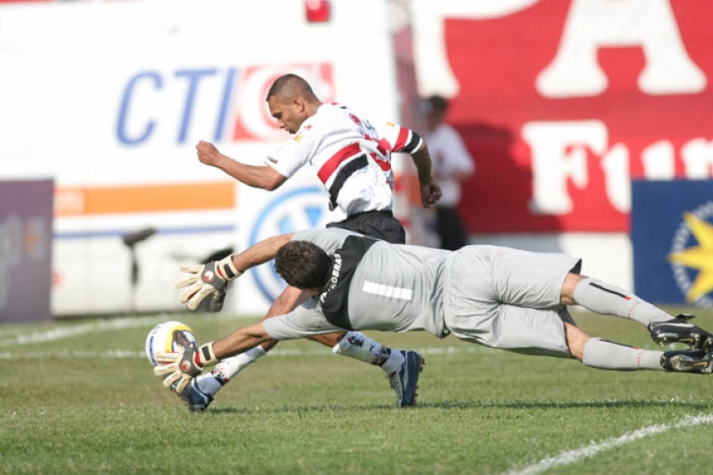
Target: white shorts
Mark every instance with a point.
(509, 299)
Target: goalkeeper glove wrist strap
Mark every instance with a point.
(228, 269)
(207, 355)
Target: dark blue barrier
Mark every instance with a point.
(25, 250)
(672, 238)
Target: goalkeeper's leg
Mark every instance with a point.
(604, 298)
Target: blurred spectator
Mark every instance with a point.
(451, 164)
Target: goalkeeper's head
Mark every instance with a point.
(303, 265)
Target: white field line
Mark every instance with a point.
(120, 354)
(572, 456)
(63, 332)
(68, 331)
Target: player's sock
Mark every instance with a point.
(359, 346)
(604, 354)
(229, 367)
(608, 299)
(208, 383)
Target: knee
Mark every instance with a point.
(576, 341)
(568, 287)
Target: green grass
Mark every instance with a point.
(304, 410)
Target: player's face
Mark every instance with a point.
(289, 114)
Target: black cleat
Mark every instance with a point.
(688, 361)
(678, 330)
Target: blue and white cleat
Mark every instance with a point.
(194, 398)
(405, 381)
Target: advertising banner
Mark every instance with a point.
(562, 102)
(25, 250)
(672, 237)
(122, 115)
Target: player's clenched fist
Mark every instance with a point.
(207, 280)
(207, 153)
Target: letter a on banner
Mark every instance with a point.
(595, 24)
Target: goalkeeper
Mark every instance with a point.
(499, 297)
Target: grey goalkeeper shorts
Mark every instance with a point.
(508, 299)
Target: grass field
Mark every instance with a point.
(80, 397)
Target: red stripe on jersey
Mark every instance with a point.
(402, 139)
(330, 165)
(384, 146)
(383, 164)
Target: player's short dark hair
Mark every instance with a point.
(292, 81)
(303, 265)
(438, 103)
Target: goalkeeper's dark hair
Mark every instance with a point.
(303, 265)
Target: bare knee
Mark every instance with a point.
(576, 340)
(570, 283)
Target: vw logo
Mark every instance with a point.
(294, 210)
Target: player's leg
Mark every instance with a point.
(402, 368)
(552, 332)
(603, 354)
(608, 299)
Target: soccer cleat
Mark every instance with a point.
(688, 361)
(678, 330)
(404, 381)
(194, 398)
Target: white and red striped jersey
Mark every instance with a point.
(351, 157)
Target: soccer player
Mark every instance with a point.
(352, 158)
(495, 296)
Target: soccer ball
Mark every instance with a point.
(169, 337)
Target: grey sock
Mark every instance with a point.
(608, 299)
(604, 354)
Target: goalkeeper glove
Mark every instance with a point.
(207, 280)
(181, 367)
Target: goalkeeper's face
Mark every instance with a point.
(289, 113)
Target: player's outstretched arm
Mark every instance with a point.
(241, 340)
(210, 279)
(263, 176)
(430, 191)
(178, 369)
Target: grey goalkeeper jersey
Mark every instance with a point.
(393, 288)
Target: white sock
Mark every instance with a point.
(604, 354)
(208, 383)
(229, 367)
(608, 299)
(360, 347)
(224, 371)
